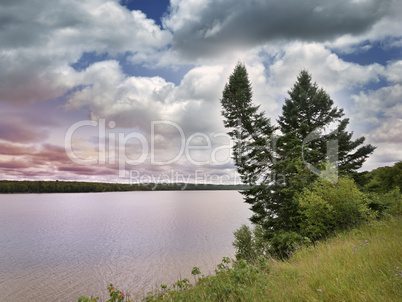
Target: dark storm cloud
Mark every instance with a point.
(223, 25)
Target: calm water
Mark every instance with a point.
(56, 247)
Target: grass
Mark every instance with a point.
(364, 264)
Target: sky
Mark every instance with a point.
(129, 91)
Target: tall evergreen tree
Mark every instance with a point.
(308, 122)
(251, 130)
(252, 133)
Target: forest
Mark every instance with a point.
(25, 186)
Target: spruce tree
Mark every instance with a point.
(251, 130)
(278, 168)
(309, 121)
(252, 135)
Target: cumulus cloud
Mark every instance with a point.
(390, 131)
(326, 67)
(129, 101)
(208, 28)
(40, 39)
(377, 105)
(379, 113)
(135, 102)
(275, 39)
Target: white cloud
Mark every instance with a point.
(379, 112)
(41, 38)
(393, 72)
(327, 68)
(373, 106)
(137, 101)
(275, 39)
(129, 101)
(390, 131)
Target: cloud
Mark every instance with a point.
(276, 39)
(46, 161)
(40, 39)
(17, 130)
(209, 28)
(135, 102)
(386, 28)
(390, 131)
(326, 67)
(129, 101)
(379, 113)
(375, 106)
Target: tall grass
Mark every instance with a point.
(364, 264)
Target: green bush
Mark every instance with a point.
(393, 200)
(285, 243)
(250, 244)
(327, 207)
(386, 203)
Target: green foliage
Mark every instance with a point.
(231, 279)
(389, 203)
(394, 202)
(114, 294)
(86, 299)
(364, 264)
(382, 186)
(284, 243)
(250, 244)
(7, 186)
(312, 132)
(251, 131)
(329, 207)
(383, 179)
(196, 271)
(244, 243)
(309, 112)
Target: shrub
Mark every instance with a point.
(393, 201)
(250, 244)
(327, 207)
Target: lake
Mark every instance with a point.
(57, 247)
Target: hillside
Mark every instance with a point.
(364, 264)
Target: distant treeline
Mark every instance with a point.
(381, 180)
(7, 186)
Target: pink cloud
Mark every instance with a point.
(46, 162)
(17, 131)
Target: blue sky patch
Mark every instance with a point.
(87, 59)
(154, 9)
(367, 53)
